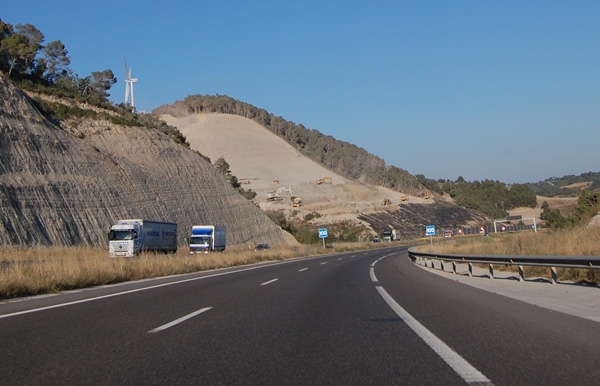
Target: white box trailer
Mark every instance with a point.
(128, 238)
(207, 238)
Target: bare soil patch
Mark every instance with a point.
(268, 163)
(563, 204)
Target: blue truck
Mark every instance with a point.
(207, 238)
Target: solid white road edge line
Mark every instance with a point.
(183, 318)
(463, 368)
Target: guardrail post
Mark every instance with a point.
(491, 271)
(521, 273)
(454, 267)
(470, 269)
(554, 275)
(442, 265)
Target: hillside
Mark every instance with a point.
(65, 183)
(566, 185)
(257, 155)
(342, 158)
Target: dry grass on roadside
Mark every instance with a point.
(40, 270)
(570, 242)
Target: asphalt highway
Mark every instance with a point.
(359, 318)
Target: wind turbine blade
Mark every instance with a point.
(127, 72)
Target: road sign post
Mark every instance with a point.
(323, 235)
(430, 231)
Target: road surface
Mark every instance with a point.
(357, 318)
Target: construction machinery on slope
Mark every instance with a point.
(275, 195)
(324, 180)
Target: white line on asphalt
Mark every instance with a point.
(372, 274)
(323, 263)
(372, 270)
(269, 282)
(72, 303)
(147, 288)
(177, 321)
(463, 368)
(303, 269)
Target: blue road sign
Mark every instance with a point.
(322, 233)
(430, 230)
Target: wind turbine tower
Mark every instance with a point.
(129, 81)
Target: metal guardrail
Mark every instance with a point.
(581, 262)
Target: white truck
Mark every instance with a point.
(128, 238)
(389, 235)
(207, 238)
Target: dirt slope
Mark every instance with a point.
(256, 154)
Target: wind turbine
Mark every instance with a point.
(129, 81)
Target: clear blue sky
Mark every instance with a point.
(499, 90)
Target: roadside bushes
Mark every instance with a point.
(306, 232)
(588, 205)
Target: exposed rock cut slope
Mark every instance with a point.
(67, 185)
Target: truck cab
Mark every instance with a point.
(389, 235)
(200, 243)
(124, 240)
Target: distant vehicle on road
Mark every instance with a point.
(389, 235)
(376, 239)
(128, 238)
(261, 247)
(207, 238)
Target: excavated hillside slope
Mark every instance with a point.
(261, 158)
(66, 185)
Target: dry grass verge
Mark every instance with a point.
(570, 242)
(35, 271)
